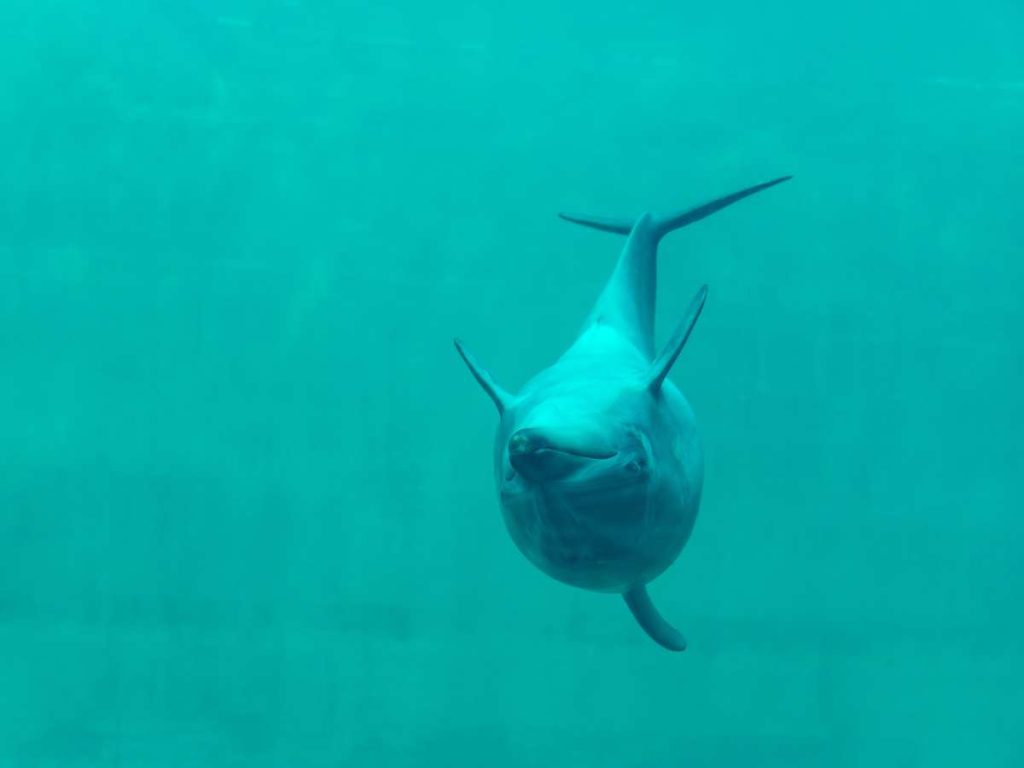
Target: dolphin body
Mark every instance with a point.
(597, 460)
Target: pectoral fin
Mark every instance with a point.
(663, 364)
(501, 398)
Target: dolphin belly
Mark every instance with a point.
(607, 541)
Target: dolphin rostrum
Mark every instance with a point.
(597, 461)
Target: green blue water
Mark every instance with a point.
(247, 516)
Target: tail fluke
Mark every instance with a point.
(647, 616)
(662, 225)
(616, 226)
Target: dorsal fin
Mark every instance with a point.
(501, 398)
(647, 616)
(661, 366)
(627, 301)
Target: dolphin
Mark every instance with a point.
(597, 460)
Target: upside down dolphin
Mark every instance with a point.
(597, 460)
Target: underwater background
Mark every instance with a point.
(247, 513)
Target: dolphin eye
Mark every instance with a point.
(637, 465)
(640, 450)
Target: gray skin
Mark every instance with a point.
(597, 460)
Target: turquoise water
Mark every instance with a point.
(246, 507)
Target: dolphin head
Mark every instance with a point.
(580, 483)
(568, 445)
(598, 472)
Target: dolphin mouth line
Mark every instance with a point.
(593, 456)
(528, 442)
(597, 456)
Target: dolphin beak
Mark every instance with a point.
(539, 457)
